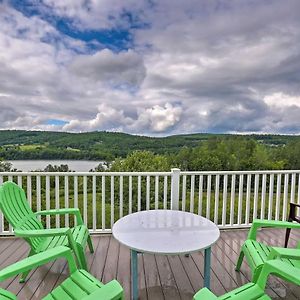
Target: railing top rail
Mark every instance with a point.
(85, 173)
(75, 173)
(239, 172)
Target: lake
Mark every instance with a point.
(74, 165)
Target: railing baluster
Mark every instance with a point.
(200, 196)
(103, 201)
(271, 190)
(67, 200)
(1, 215)
(38, 194)
(85, 215)
(29, 197)
(208, 197)
(121, 196)
(156, 191)
(224, 207)
(48, 224)
(241, 183)
(20, 181)
(112, 201)
(216, 214)
(232, 199)
(293, 184)
(192, 193)
(298, 188)
(248, 194)
(94, 202)
(256, 186)
(165, 191)
(75, 196)
(285, 197)
(183, 196)
(57, 205)
(148, 193)
(278, 190)
(130, 194)
(139, 192)
(263, 196)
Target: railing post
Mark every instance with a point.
(175, 189)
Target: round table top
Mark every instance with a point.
(165, 232)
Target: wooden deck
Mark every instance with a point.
(160, 277)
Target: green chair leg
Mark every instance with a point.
(240, 260)
(90, 244)
(82, 259)
(24, 274)
(256, 273)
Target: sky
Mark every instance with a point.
(150, 67)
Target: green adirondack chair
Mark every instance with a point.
(256, 291)
(25, 223)
(258, 253)
(80, 285)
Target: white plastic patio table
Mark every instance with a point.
(165, 232)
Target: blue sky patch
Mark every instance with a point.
(115, 39)
(55, 122)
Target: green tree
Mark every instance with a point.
(5, 166)
(139, 161)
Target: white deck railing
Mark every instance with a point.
(231, 199)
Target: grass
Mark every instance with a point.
(31, 147)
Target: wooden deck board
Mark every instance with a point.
(160, 277)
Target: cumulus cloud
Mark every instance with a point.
(281, 100)
(154, 119)
(158, 118)
(192, 66)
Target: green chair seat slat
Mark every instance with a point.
(257, 253)
(86, 281)
(248, 291)
(6, 295)
(57, 294)
(80, 234)
(77, 286)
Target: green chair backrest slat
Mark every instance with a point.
(16, 209)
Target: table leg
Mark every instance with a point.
(134, 275)
(207, 254)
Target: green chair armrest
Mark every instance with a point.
(4, 294)
(280, 269)
(284, 253)
(269, 223)
(37, 260)
(62, 211)
(42, 232)
(204, 294)
(110, 291)
(50, 232)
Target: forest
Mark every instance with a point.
(107, 146)
(199, 152)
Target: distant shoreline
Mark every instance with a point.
(41, 164)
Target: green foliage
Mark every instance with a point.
(237, 153)
(139, 161)
(56, 168)
(5, 166)
(187, 152)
